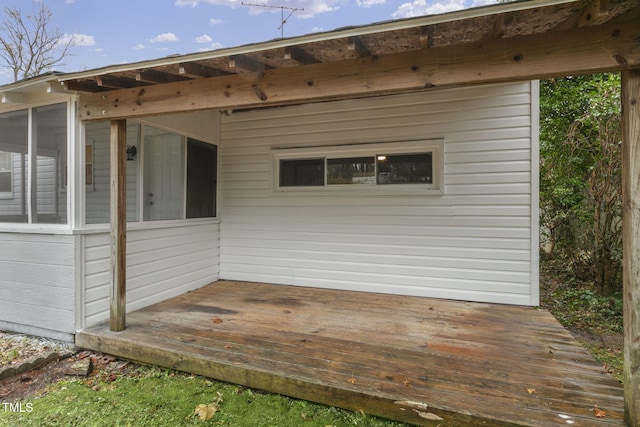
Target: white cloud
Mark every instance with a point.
(182, 3)
(77, 40)
(369, 3)
(215, 21)
(164, 37)
(477, 3)
(204, 39)
(212, 46)
(422, 7)
(139, 47)
(311, 7)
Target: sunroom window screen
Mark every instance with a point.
(404, 169)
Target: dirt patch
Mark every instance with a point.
(31, 364)
(33, 382)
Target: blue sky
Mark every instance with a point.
(109, 32)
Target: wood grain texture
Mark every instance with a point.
(492, 61)
(471, 364)
(118, 225)
(631, 241)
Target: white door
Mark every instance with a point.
(163, 177)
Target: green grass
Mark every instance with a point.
(155, 397)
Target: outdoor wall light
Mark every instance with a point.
(132, 152)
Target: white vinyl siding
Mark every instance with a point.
(161, 263)
(37, 284)
(474, 242)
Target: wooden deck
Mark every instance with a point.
(405, 358)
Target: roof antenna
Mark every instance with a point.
(283, 20)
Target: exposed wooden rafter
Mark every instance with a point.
(197, 70)
(426, 37)
(508, 59)
(156, 76)
(82, 86)
(117, 82)
(299, 55)
(356, 44)
(246, 63)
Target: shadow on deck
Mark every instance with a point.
(419, 360)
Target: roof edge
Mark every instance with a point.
(392, 25)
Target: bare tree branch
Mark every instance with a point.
(28, 45)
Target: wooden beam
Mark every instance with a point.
(118, 306)
(300, 55)
(118, 82)
(592, 13)
(247, 63)
(426, 37)
(84, 86)
(631, 242)
(356, 44)
(193, 69)
(155, 76)
(510, 59)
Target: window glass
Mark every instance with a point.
(302, 173)
(6, 170)
(354, 170)
(404, 168)
(13, 161)
(168, 191)
(50, 135)
(201, 179)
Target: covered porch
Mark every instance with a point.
(418, 360)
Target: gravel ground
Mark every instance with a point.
(16, 349)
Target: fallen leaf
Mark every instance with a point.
(228, 346)
(206, 412)
(406, 383)
(217, 320)
(352, 380)
(598, 412)
(531, 390)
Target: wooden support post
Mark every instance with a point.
(631, 242)
(118, 225)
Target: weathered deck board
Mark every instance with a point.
(468, 363)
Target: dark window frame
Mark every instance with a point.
(358, 167)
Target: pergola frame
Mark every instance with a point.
(507, 42)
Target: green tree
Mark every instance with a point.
(580, 190)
